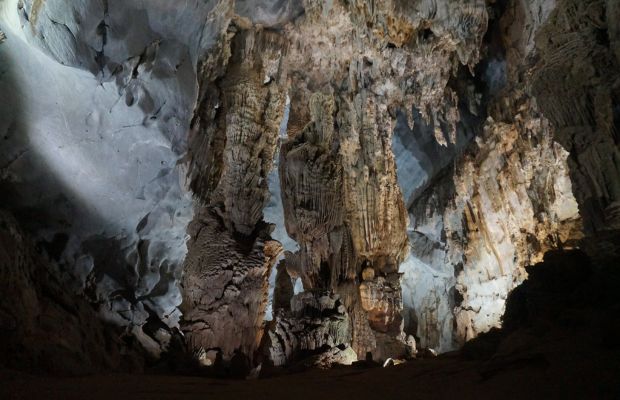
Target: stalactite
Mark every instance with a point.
(512, 202)
(338, 175)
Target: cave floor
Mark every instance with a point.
(546, 373)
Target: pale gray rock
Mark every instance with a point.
(101, 103)
(269, 13)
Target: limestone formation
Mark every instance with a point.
(341, 198)
(339, 355)
(296, 182)
(237, 124)
(506, 206)
(284, 289)
(504, 203)
(230, 256)
(317, 322)
(225, 287)
(96, 108)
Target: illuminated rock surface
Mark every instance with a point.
(271, 183)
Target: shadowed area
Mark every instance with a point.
(556, 339)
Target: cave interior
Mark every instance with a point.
(306, 198)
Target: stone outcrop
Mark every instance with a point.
(225, 288)
(339, 355)
(100, 102)
(341, 199)
(508, 202)
(284, 289)
(548, 82)
(316, 323)
(236, 126)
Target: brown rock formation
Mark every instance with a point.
(235, 133)
(509, 199)
(350, 67)
(507, 203)
(513, 110)
(225, 287)
(316, 322)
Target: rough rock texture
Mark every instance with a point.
(426, 151)
(341, 199)
(339, 355)
(237, 124)
(283, 288)
(584, 51)
(42, 326)
(499, 207)
(225, 288)
(509, 203)
(99, 98)
(482, 211)
(233, 141)
(316, 323)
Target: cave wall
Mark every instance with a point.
(585, 113)
(401, 160)
(98, 101)
(43, 327)
(508, 201)
(341, 199)
(541, 175)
